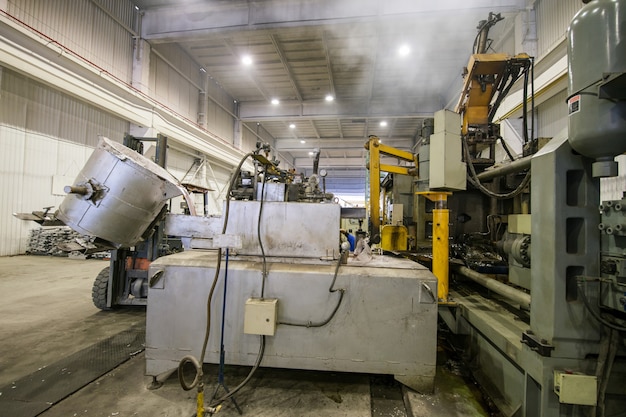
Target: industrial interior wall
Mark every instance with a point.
(45, 139)
(103, 32)
(175, 80)
(552, 116)
(248, 139)
(102, 39)
(503, 35)
(210, 174)
(553, 18)
(220, 112)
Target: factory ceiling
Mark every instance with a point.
(337, 70)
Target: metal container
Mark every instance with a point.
(596, 53)
(117, 195)
(386, 324)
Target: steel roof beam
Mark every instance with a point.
(343, 109)
(196, 20)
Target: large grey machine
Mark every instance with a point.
(295, 298)
(549, 343)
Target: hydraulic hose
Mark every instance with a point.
(596, 315)
(473, 178)
(331, 290)
(256, 365)
(190, 359)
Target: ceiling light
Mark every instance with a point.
(303, 141)
(275, 101)
(404, 50)
(329, 98)
(202, 70)
(246, 60)
(136, 7)
(292, 126)
(310, 153)
(383, 123)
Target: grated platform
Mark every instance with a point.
(35, 393)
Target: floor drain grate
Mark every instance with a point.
(35, 393)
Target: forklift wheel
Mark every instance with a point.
(99, 290)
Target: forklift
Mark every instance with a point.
(125, 280)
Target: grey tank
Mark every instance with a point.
(597, 48)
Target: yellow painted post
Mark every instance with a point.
(441, 234)
(374, 170)
(441, 251)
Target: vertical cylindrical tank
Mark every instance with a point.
(596, 48)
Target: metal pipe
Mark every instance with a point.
(71, 189)
(519, 297)
(510, 168)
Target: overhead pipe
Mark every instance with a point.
(519, 297)
(510, 168)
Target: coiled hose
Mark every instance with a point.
(189, 359)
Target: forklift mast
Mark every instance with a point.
(125, 280)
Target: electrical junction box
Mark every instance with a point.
(446, 166)
(260, 316)
(575, 388)
(519, 223)
(445, 162)
(447, 121)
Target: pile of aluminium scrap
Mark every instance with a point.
(53, 241)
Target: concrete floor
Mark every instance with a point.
(46, 314)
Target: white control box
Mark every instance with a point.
(576, 388)
(260, 316)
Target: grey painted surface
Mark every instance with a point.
(386, 324)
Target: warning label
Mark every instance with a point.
(573, 104)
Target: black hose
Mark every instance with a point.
(532, 98)
(606, 358)
(331, 290)
(506, 148)
(258, 232)
(190, 359)
(596, 315)
(473, 178)
(261, 353)
(256, 365)
(525, 108)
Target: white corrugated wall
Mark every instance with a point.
(552, 116)
(43, 134)
(103, 39)
(219, 120)
(553, 18)
(175, 80)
